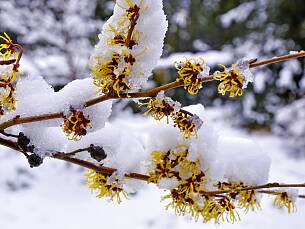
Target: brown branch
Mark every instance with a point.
(20, 48)
(7, 62)
(73, 152)
(278, 59)
(145, 94)
(186, 112)
(21, 120)
(131, 30)
(149, 93)
(269, 185)
(277, 193)
(10, 144)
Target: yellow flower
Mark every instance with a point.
(191, 73)
(194, 184)
(189, 125)
(8, 76)
(75, 124)
(132, 12)
(284, 200)
(120, 38)
(191, 180)
(7, 85)
(248, 200)
(179, 203)
(162, 167)
(101, 184)
(106, 76)
(161, 106)
(111, 77)
(120, 82)
(220, 210)
(7, 47)
(103, 73)
(232, 81)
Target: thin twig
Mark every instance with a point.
(7, 62)
(20, 48)
(72, 153)
(10, 144)
(186, 112)
(269, 185)
(8, 135)
(278, 59)
(131, 30)
(19, 120)
(277, 193)
(145, 94)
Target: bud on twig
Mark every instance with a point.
(23, 142)
(97, 152)
(34, 160)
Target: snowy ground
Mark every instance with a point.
(53, 196)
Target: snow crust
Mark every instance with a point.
(151, 28)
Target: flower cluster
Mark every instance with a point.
(194, 187)
(185, 178)
(234, 79)
(192, 72)
(129, 47)
(8, 75)
(187, 181)
(75, 124)
(162, 106)
(105, 186)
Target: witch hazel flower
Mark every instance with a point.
(161, 106)
(192, 72)
(7, 89)
(130, 45)
(188, 124)
(234, 79)
(248, 200)
(75, 124)
(286, 198)
(7, 47)
(8, 75)
(105, 186)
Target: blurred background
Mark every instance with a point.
(59, 35)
